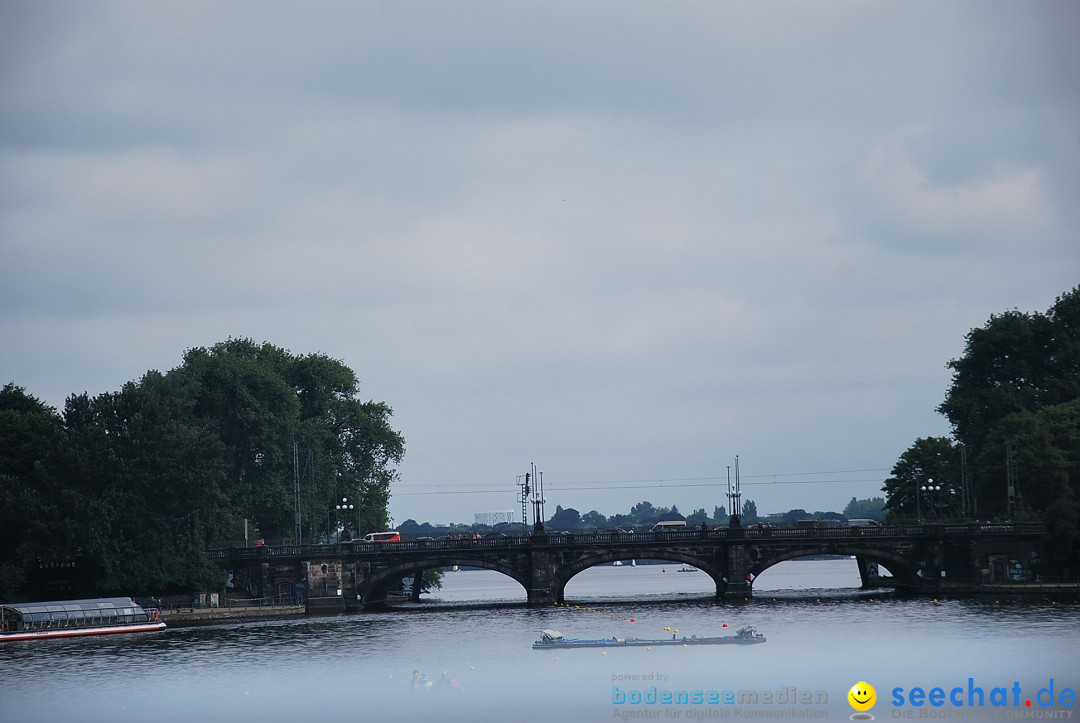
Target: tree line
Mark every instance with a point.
(644, 515)
(1014, 407)
(123, 492)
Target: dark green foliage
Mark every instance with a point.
(133, 486)
(871, 509)
(594, 520)
(568, 519)
(930, 462)
(1014, 400)
(697, 518)
(28, 431)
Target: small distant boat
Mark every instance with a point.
(550, 639)
(69, 618)
(617, 563)
(684, 568)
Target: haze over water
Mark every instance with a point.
(822, 638)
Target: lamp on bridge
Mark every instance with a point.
(346, 506)
(928, 487)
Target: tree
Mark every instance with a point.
(594, 520)
(568, 519)
(719, 513)
(143, 488)
(930, 462)
(134, 485)
(261, 399)
(871, 509)
(28, 433)
(643, 513)
(1014, 369)
(749, 512)
(1016, 362)
(697, 518)
(792, 516)
(669, 516)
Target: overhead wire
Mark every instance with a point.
(657, 483)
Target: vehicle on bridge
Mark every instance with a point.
(669, 526)
(391, 536)
(554, 639)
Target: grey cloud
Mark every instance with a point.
(624, 242)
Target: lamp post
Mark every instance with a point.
(346, 506)
(928, 487)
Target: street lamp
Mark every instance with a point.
(928, 487)
(346, 506)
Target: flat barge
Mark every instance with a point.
(553, 639)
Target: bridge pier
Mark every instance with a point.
(738, 582)
(326, 582)
(543, 587)
(865, 576)
(417, 583)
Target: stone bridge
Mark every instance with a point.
(923, 559)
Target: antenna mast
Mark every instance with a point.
(734, 495)
(538, 499)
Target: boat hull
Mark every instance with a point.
(77, 632)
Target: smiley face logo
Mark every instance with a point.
(862, 696)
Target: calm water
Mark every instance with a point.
(358, 667)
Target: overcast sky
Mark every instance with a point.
(624, 241)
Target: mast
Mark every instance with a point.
(734, 495)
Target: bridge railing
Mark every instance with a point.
(623, 538)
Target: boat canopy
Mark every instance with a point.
(551, 635)
(75, 612)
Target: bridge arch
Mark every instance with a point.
(571, 570)
(903, 570)
(373, 589)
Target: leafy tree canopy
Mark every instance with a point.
(871, 509)
(1014, 407)
(135, 484)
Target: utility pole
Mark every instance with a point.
(1010, 482)
(965, 486)
(298, 529)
